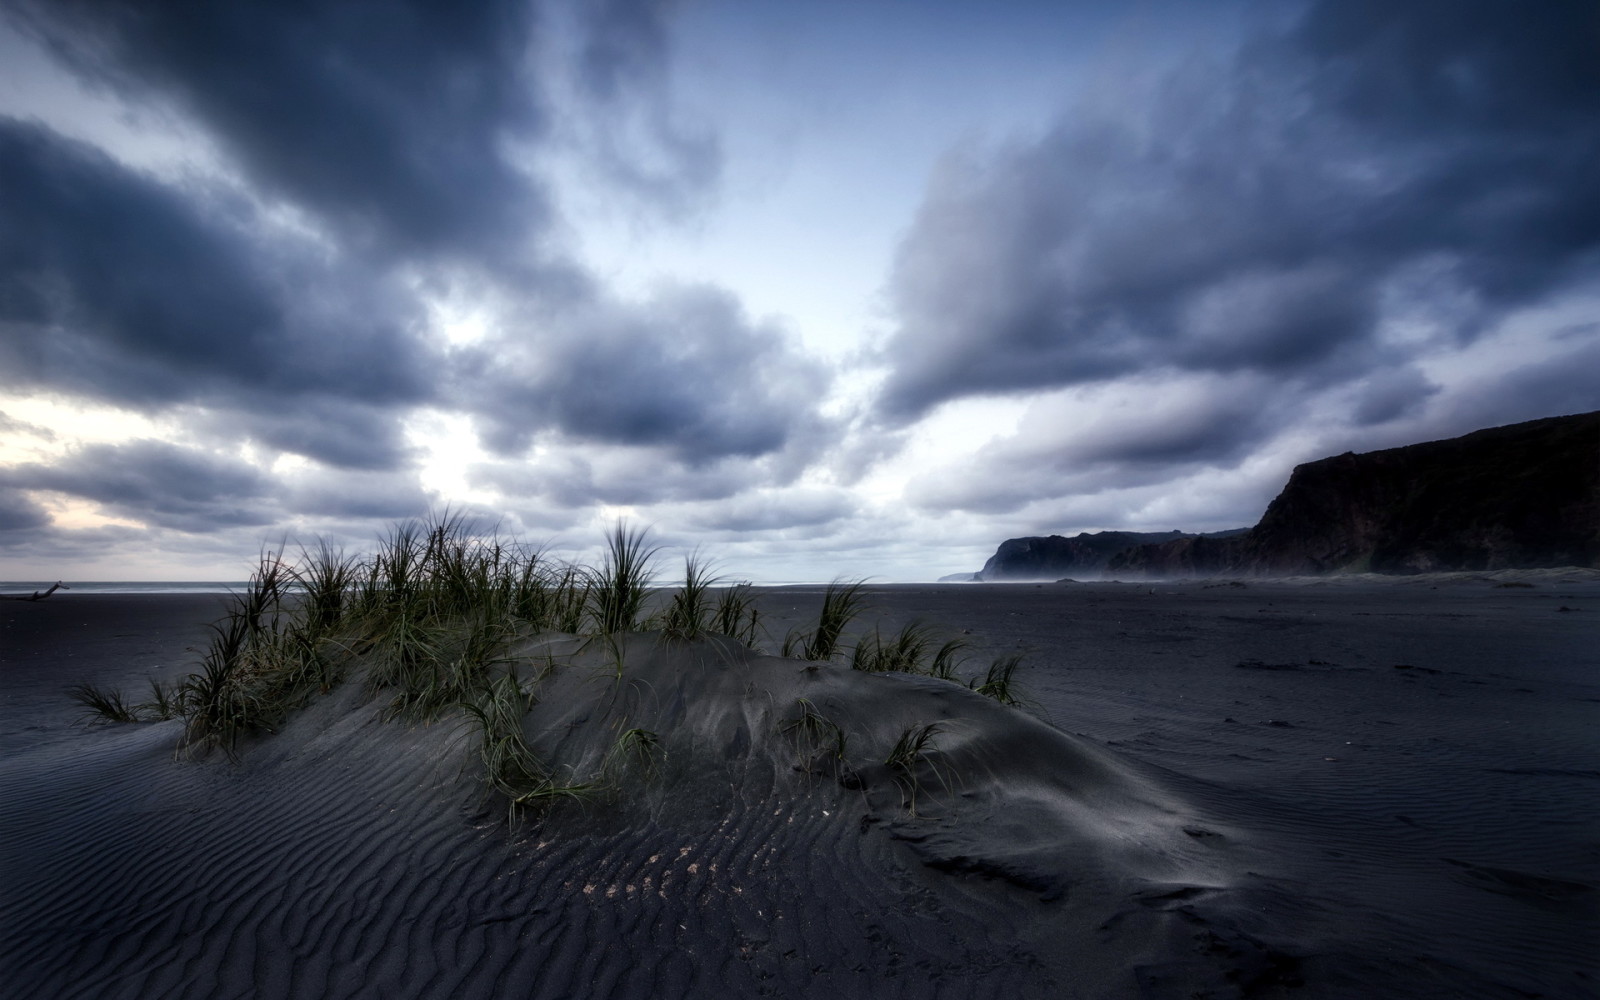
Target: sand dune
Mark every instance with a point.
(1366, 789)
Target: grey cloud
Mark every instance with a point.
(342, 433)
(632, 132)
(11, 425)
(117, 287)
(1391, 394)
(687, 372)
(163, 484)
(1266, 215)
(576, 477)
(1165, 429)
(1563, 383)
(19, 513)
(781, 510)
(386, 496)
(386, 119)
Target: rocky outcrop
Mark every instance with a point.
(1052, 557)
(1521, 496)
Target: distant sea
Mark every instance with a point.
(127, 587)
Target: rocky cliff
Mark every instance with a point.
(1524, 495)
(1054, 556)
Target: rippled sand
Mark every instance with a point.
(1361, 787)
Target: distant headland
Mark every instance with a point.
(1520, 496)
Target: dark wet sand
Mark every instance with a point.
(1328, 790)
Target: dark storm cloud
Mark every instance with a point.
(118, 287)
(1390, 394)
(1267, 216)
(163, 484)
(686, 372)
(19, 513)
(388, 119)
(622, 71)
(342, 433)
(389, 127)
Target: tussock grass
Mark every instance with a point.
(842, 603)
(910, 751)
(821, 734)
(690, 612)
(640, 748)
(736, 615)
(105, 704)
(164, 703)
(945, 661)
(621, 584)
(903, 653)
(996, 682)
(510, 765)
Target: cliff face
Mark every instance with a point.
(1525, 495)
(1052, 557)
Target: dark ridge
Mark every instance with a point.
(1086, 554)
(1523, 496)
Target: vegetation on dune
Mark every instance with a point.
(104, 704)
(429, 622)
(912, 750)
(841, 604)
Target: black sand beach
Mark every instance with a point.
(1351, 787)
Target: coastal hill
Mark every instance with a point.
(1052, 557)
(1521, 496)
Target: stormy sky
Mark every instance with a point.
(824, 288)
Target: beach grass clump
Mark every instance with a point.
(997, 680)
(736, 615)
(326, 580)
(510, 765)
(633, 748)
(903, 653)
(693, 611)
(106, 704)
(689, 612)
(164, 703)
(621, 584)
(910, 752)
(946, 660)
(256, 668)
(814, 730)
(842, 603)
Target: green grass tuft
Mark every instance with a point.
(164, 703)
(841, 604)
(909, 752)
(997, 681)
(105, 704)
(690, 613)
(822, 734)
(619, 588)
(639, 748)
(904, 653)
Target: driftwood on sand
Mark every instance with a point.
(36, 595)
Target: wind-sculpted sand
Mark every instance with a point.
(1288, 789)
